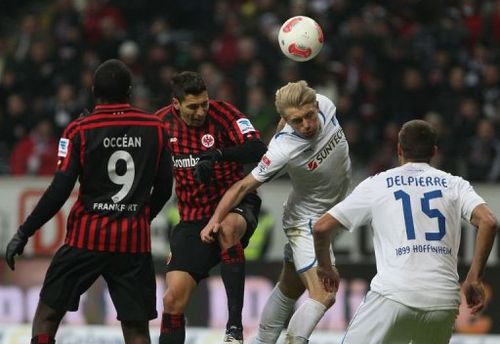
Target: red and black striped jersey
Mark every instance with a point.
(117, 152)
(224, 126)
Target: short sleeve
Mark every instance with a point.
(69, 150)
(355, 210)
(272, 164)
(469, 199)
(238, 127)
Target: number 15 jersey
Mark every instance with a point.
(415, 211)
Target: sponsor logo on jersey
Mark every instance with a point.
(263, 164)
(185, 161)
(265, 160)
(325, 151)
(63, 148)
(207, 140)
(245, 125)
(173, 139)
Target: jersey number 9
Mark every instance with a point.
(126, 180)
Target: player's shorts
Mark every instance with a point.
(300, 248)
(130, 278)
(400, 324)
(190, 254)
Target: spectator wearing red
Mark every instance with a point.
(36, 154)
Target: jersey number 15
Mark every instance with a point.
(426, 209)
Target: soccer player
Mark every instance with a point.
(312, 148)
(210, 142)
(117, 153)
(415, 211)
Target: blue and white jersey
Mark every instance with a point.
(415, 211)
(319, 168)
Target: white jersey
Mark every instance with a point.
(319, 168)
(415, 211)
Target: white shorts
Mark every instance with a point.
(380, 320)
(300, 248)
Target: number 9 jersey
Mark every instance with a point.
(118, 153)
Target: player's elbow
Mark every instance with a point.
(323, 226)
(489, 221)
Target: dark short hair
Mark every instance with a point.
(186, 83)
(112, 81)
(417, 139)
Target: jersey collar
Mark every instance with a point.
(112, 106)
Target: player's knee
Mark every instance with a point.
(230, 236)
(173, 302)
(321, 295)
(329, 300)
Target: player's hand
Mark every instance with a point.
(209, 232)
(15, 246)
(329, 277)
(204, 170)
(474, 295)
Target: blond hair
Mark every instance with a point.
(294, 95)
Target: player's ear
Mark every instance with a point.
(176, 103)
(434, 150)
(400, 151)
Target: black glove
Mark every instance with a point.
(15, 246)
(204, 170)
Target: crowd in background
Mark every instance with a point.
(383, 62)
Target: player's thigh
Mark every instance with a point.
(434, 327)
(189, 253)
(71, 272)
(233, 228)
(300, 247)
(289, 281)
(132, 286)
(379, 320)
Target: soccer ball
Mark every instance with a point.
(300, 38)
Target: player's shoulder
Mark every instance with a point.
(288, 143)
(383, 175)
(324, 100)
(165, 113)
(223, 110)
(74, 126)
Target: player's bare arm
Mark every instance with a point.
(486, 223)
(231, 199)
(327, 273)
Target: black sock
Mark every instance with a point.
(43, 339)
(232, 270)
(173, 330)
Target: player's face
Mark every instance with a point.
(304, 120)
(193, 109)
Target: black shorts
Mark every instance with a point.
(130, 278)
(191, 255)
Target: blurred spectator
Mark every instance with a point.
(36, 154)
(16, 122)
(64, 107)
(260, 110)
(483, 155)
(382, 62)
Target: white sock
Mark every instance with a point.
(304, 320)
(272, 321)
